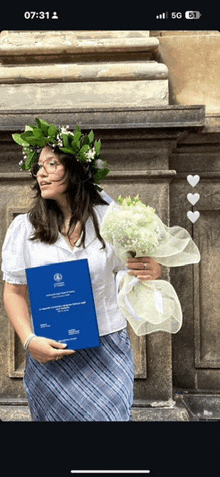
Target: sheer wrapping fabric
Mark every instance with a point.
(137, 231)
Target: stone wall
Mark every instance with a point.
(192, 58)
(193, 61)
(143, 139)
(120, 83)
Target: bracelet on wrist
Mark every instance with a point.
(28, 340)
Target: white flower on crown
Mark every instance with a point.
(90, 154)
(60, 141)
(65, 130)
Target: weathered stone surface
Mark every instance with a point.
(73, 42)
(193, 60)
(70, 72)
(159, 411)
(86, 94)
(203, 407)
(160, 121)
(13, 413)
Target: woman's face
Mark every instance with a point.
(51, 175)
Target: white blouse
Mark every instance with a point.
(19, 253)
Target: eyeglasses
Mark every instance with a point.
(50, 166)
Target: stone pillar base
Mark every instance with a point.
(146, 410)
(22, 414)
(16, 410)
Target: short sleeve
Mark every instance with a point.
(14, 251)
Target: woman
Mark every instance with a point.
(62, 384)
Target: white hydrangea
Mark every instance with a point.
(131, 228)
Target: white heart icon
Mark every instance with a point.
(193, 216)
(193, 180)
(193, 198)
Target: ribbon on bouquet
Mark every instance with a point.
(148, 305)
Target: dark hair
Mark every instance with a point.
(46, 216)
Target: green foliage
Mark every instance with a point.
(17, 138)
(91, 137)
(77, 137)
(100, 175)
(83, 146)
(52, 131)
(31, 158)
(98, 146)
(83, 151)
(66, 150)
(42, 124)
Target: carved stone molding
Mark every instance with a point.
(71, 44)
(206, 286)
(162, 120)
(18, 204)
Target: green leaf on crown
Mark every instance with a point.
(19, 140)
(84, 141)
(36, 141)
(77, 129)
(65, 138)
(73, 143)
(31, 157)
(66, 150)
(27, 133)
(83, 151)
(49, 140)
(98, 146)
(77, 136)
(29, 127)
(91, 136)
(100, 174)
(52, 130)
(42, 124)
(37, 132)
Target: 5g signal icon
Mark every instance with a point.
(162, 16)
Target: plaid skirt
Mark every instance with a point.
(94, 384)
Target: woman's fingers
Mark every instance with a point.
(56, 344)
(139, 264)
(144, 268)
(45, 350)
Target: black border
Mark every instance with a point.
(54, 449)
(109, 16)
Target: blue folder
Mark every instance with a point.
(62, 303)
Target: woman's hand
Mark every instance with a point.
(45, 350)
(144, 268)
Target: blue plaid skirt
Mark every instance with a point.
(94, 384)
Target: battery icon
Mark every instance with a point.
(192, 15)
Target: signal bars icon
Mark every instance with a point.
(162, 16)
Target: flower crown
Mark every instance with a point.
(83, 147)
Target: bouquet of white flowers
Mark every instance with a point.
(134, 229)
